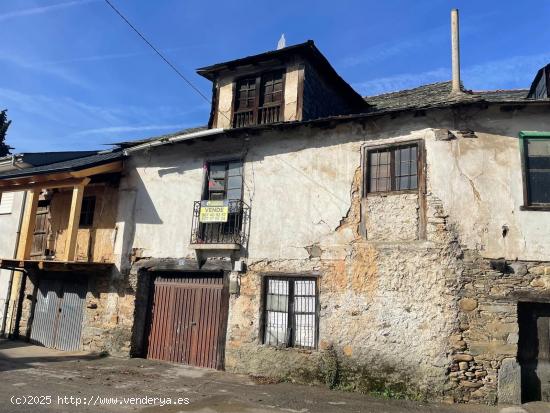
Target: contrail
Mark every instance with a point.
(41, 10)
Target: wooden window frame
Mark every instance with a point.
(290, 311)
(421, 183)
(206, 175)
(82, 212)
(524, 137)
(420, 163)
(259, 76)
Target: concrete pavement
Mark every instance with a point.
(55, 381)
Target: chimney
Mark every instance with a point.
(455, 48)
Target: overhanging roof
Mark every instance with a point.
(307, 50)
(62, 172)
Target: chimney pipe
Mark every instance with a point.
(455, 47)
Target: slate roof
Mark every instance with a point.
(128, 144)
(438, 95)
(72, 165)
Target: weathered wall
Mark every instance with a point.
(389, 300)
(8, 234)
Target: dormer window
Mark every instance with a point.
(253, 108)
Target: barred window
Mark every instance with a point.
(392, 168)
(290, 313)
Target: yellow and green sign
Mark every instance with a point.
(214, 211)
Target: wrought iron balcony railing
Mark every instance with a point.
(234, 230)
(265, 114)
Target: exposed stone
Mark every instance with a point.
(538, 270)
(538, 283)
(509, 382)
(462, 357)
(463, 365)
(467, 304)
(519, 269)
(471, 384)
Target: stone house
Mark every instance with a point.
(390, 243)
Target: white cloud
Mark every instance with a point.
(130, 128)
(56, 71)
(511, 72)
(401, 81)
(516, 72)
(43, 9)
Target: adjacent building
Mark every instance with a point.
(390, 243)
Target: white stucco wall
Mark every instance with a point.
(8, 234)
(297, 184)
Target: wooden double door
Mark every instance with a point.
(188, 319)
(534, 351)
(58, 313)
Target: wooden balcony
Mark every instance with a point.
(261, 116)
(53, 229)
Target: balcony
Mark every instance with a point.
(69, 218)
(220, 225)
(262, 116)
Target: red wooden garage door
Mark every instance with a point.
(188, 320)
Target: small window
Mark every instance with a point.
(537, 169)
(272, 88)
(225, 180)
(87, 212)
(246, 94)
(392, 169)
(259, 99)
(6, 202)
(290, 313)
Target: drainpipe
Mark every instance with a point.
(10, 284)
(455, 51)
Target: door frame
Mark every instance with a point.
(222, 336)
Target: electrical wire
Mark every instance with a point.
(174, 68)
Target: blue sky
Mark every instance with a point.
(73, 76)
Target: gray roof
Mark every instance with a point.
(128, 144)
(99, 158)
(439, 94)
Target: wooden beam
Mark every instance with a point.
(34, 179)
(101, 169)
(49, 180)
(76, 267)
(27, 225)
(74, 219)
(66, 183)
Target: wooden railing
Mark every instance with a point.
(265, 114)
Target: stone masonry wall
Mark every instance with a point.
(485, 345)
(386, 307)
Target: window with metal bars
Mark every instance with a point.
(393, 168)
(290, 313)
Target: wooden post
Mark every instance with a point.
(74, 219)
(26, 236)
(27, 225)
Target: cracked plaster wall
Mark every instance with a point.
(389, 304)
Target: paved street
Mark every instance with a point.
(27, 370)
